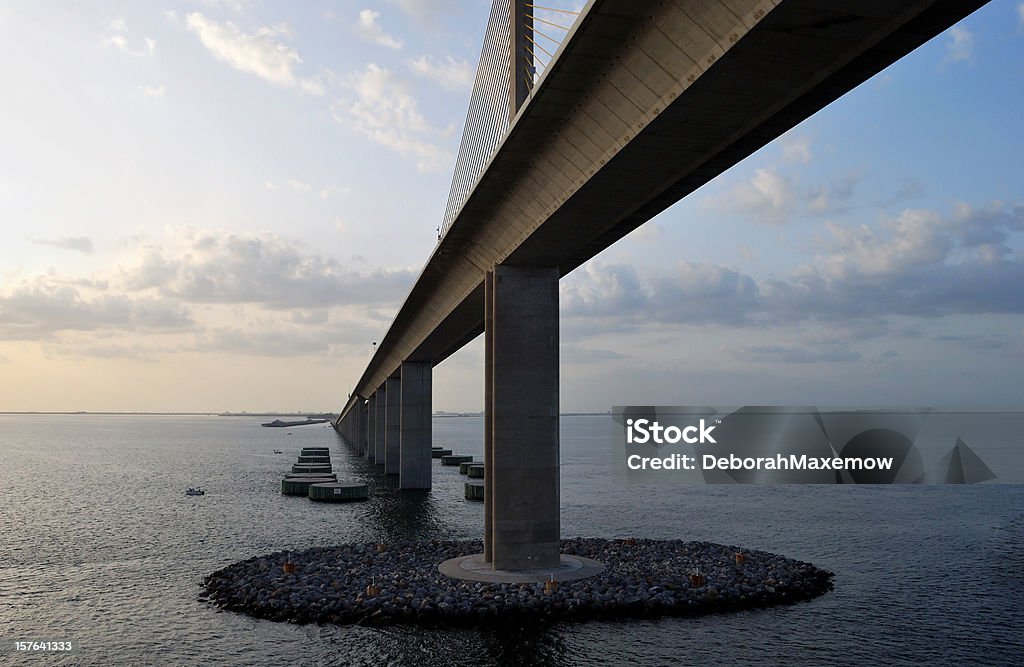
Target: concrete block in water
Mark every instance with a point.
(291, 486)
(311, 467)
(474, 490)
(455, 459)
(475, 470)
(338, 492)
(310, 475)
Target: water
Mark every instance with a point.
(99, 545)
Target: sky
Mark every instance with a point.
(220, 204)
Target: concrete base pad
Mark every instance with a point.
(473, 568)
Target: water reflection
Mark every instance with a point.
(530, 645)
(393, 515)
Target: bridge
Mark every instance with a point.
(641, 103)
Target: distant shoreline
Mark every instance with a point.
(332, 415)
(166, 414)
(325, 415)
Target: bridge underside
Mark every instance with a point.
(646, 102)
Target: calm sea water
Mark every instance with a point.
(98, 545)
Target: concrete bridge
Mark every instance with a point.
(643, 102)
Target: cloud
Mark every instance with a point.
(451, 74)
(264, 269)
(960, 47)
(299, 186)
(371, 31)
(315, 316)
(83, 350)
(697, 293)
(831, 197)
(425, 9)
(238, 6)
(576, 354)
(910, 188)
(649, 232)
(768, 197)
(385, 112)
(1020, 15)
(917, 264)
(207, 292)
(973, 341)
(920, 238)
(282, 341)
(82, 244)
(796, 149)
(329, 190)
(796, 353)
(152, 91)
(38, 310)
(117, 36)
(260, 53)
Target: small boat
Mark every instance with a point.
(278, 451)
(195, 492)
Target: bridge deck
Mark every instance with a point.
(646, 102)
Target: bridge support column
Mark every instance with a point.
(414, 458)
(372, 424)
(364, 427)
(344, 427)
(523, 458)
(488, 417)
(392, 424)
(380, 432)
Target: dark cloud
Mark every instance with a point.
(261, 269)
(79, 350)
(918, 264)
(908, 189)
(37, 311)
(697, 293)
(796, 353)
(82, 244)
(974, 341)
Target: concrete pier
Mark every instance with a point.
(392, 425)
(522, 475)
(488, 553)
(371, 430)
(357, 428)
(364, 428)
(381, 420)
(414, 455)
